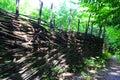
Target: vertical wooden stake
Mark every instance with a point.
(17, 9)
(60, 25)
(91, 28)
(51, 26)
(40, 12)
(103, 36)
(69, 20)
(78, 25)
(87, 25)
(100, 31)
(54, 22)
(86, 30)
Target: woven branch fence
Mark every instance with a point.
(29, 51)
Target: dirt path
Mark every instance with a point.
(110, 73)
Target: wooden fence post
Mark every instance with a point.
(40, 12)
(87, 25)
(78, 25)
(51, 8)
(17, 9)
(86, 30)
(91, 30)
(104, 42)
(54, 24)
(103, 35)
(60, 25)
(100, 31)
(69, 20)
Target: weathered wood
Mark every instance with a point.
(91, 30)
(51, 11)
(35, 47)
(17, 8)
(100, 31)
(40, 12)
(78, 25)
(87, 25)
(69, 19)
(104, 30)
(54, 23)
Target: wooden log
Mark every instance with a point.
(10, 36)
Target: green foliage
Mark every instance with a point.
(45, 77)
(94, 63)
(8, 5)
(76, 68)
(86, 76)
(106, 13)
(55, 69)
(113, 38)
(106, 55)
(118, 57)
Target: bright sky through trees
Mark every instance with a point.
(56, 3)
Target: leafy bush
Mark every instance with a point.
(113, 38)
(94, 63)
(8, 5)
(106, 55)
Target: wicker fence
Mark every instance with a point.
(29, 51)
